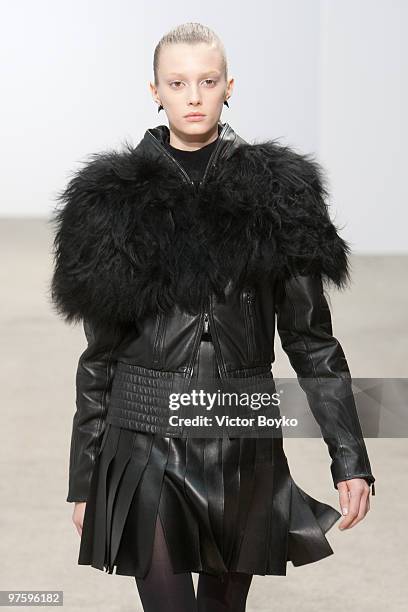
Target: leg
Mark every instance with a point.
(161, 589)
(227, 595)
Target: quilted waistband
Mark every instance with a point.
(140, 397)
(142, 394)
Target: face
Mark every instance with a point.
(191, 79)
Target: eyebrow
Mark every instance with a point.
(180, 74)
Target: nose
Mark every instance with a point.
(194, 96)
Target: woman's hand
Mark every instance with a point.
(78, 516)
(354, 496)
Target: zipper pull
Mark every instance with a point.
(249, 302)
(206, 326)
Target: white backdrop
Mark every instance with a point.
(327, 77)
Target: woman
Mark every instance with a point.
(177, 254)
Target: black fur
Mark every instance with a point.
(132, 239)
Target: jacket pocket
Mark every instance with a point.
(249, 319)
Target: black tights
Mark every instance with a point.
(162, 590)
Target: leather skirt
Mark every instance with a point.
(225, 504)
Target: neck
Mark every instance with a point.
(191, 142)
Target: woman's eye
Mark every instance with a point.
(177, 83)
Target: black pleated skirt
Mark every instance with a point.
(225, 504)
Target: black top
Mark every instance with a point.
(193, 162)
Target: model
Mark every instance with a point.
(178, 255)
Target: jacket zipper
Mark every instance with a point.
(217, 349)
(249, 323)
(204, 326)
(181, 169)
(204, 323)
(197, 338)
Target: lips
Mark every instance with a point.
(195, 115)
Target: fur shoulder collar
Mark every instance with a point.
(133, 239)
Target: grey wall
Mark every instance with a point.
(363, 128)
(325, 77)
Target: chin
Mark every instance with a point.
(198, 126)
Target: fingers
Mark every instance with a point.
(354, 502)
(78, 517)
(344, 502)
(363, 509)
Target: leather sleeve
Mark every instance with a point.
(95, 371)
(305, 329)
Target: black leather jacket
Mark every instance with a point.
(148, 261)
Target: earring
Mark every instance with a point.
(226, 103)
(160, 108)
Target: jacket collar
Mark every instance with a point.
(153, 142)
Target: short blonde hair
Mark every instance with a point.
(190, 33)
